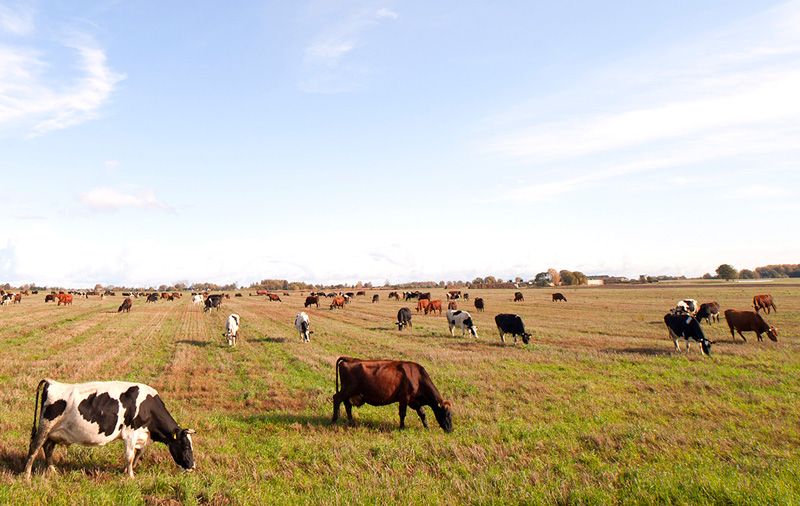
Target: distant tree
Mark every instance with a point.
(555, 279)
(489, 279)
(368, 284)
(567, 278)
(162, 288)
(542, 279)
(708, 275)
(580, 278)
(747, 274)
(727, 272)
(477, 281)
(386, 283)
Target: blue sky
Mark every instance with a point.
(155, 142)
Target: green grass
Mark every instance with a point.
(597, 409)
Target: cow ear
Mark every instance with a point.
(189, 431)
(176, 434)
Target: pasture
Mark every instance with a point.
(597, 409)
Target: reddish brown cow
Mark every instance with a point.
(452, 305)
(559, 296)
(274, 296)
(434, 305)
(337, 302)
(312, 299)
(164, 295)
(422, 304)
(360, 293)
(749, 321)
(764, 302)
(64, 298)
(518, 297)
(382, 382)
(18, 298)
(261, 292)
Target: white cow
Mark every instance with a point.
(232, 329)
(687, 306)
(462, 320)
(301, 324)
(197, 299)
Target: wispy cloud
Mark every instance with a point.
(110, 200)
(729, 92)
(17, 21)
(341, 34)
(34, 99)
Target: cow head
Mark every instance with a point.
(526, 338)
(705, 345)
(400, 325)
(444, 416)
(180, 447)
(772, 334)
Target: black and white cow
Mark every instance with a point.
(213, 301)
(301, 324)
(403, 318)
(97, 413)
(462, 320)
(687, 306)
(687, 327)
(232, 329)
(511, 324)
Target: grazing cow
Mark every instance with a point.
(709, 311)
(403, 318)
(361, 293)
(559, 296)
(18, 298)
(394, 295)
(237, 295)
(425, 296)
(452, 305)
(232, 329)
(301, 324)
(382, 382)
(433, 306)
(261, 292)
(764, 302)
(422, 304)
(312, 299)
(518, 297)
(164, 295)
(50, 297)
(462, 320)
(97, 413)
(338, 302)
(197, 299)
(687, 326)
(153, 297)
(687, 306)
(213, 301)
(375, 298)
(511, 324)
(749, 321)
(466, 296)
(350, 294)
(7, 298)
(274, 297)
(64, 298)
(331, 294)
(286, 294)
(453, 294)
(126, 305)
(479, 304)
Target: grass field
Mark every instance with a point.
(597, 409)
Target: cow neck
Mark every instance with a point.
(154, 416)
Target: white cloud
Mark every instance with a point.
(386, 13)
(109, 200)
(16, 22)
(33, 101)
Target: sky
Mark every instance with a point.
(146, 142)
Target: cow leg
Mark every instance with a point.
(403, 407)
(502, 336)
(758, 335)
(37, 442)
(336, 403)
(740, 333)
(130, 456)
(137, 456)
(421, 412)
(49, 446)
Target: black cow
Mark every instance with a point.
(709, 311)
(558, 297)
(479, 304)
(153, 297)
(126, 305)
(213, 301)
(375, 298)
(93, 414)
(382, 382)
(511, 324)
(686, 326)
(403, 318)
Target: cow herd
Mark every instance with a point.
(684, 321)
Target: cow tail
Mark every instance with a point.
(338, 361)
(36, 407)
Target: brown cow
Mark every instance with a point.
(18, 298)
(382, 382)
(425, 296)
(747, 321)
(261, 292)
(361, 293)
(518, 297)
(394, 295)
(50, 297)
(764, 302)
(126, 305)
(559, 296)
(338, 302)
(375, 298)
(434, 305)
(312, 299)
(452, 305)
(274, 296)
(64, 298)
(422, 304)
(164, 295)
